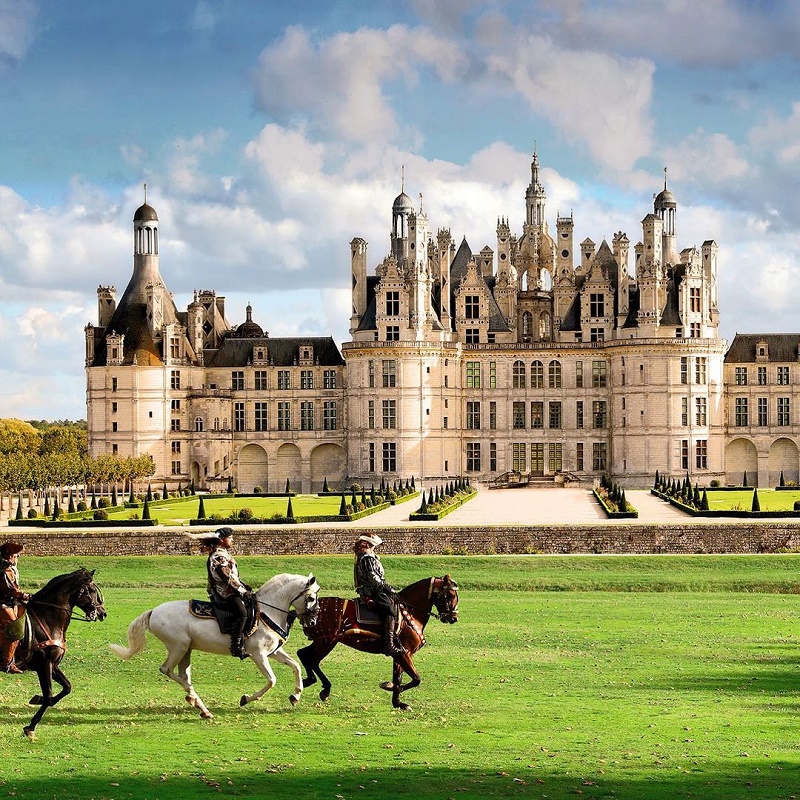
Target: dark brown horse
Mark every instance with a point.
(49, 612)
(343, 621)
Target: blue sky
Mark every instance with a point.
(272, 133)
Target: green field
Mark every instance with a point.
(184, 509)
(593, 677)
(742, 500)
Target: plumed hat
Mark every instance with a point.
(371, 538)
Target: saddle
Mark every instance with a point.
(204, 609)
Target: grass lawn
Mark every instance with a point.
(768, 499)
(597, 677)
(184, 509)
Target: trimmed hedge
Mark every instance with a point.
(433, 516)
(610, 513)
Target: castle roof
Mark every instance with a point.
(780, 347)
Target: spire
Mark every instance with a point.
(665, 179)
(402, 178)
(145, 194)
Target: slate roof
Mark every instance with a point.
(283, 352)
(781, 347)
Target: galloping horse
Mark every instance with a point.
(181, 633)
(340, 621)
(49, 612)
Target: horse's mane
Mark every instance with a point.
(64, 582)
(412, 586)
(279, 581)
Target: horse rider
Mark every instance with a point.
(226, 590)
(371, 586)
(11, 602)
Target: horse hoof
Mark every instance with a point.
(324, 695)
(206, 715)
(294, 699)
(30, 733)
(403, 707)
(387, 686)
(36, 700)
(243, 700)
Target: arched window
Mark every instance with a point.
(527, 323)
(544, 326)
(198, 423)
(537, 375)
(555, 375)
(518, 375)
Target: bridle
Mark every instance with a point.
(307, 618)
(90, 615)
(449, 614)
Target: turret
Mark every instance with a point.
(106, 305)
(665, 207)
(358, 265)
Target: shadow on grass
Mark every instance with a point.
(777, 781)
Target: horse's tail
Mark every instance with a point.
(136, 637)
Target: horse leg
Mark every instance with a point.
(310, 657)
(183, 677)
(402, 664)
(45, 673)
(261, 660)
(282, 657)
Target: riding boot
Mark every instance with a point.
(237, 647)
(392, 646)
(7, 657)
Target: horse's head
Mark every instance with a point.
(445, 598)
(88, 597)
(306, 603)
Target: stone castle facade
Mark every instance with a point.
(537, 356)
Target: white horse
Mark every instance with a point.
(181, 632)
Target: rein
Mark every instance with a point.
(63, 608)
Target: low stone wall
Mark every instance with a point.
(780, 536)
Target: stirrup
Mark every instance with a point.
(12, 669)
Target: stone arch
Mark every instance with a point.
(740, 457)
(783, 457)
(252, 470)
(545, 280)
(289, 465)
(328, 461)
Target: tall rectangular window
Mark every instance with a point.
(579, 414)
(537, 375)
(537, 414)
(763, 413)
(701, 453)
(518, 375)
(684, 454)
(701, 370)
(492, 456)
(599, 456)
(473, 457)
(174, 347)
(174, 405)
(740, 411)
(329, 415)
(238, 417)
(389, 457)
(783, 376)
(371, 457)
(284, 379)
(694, 330)
(306, 379)
(261, 384)
(114, 385)
(694, 299)
(329, 379)
(371, 414)
(555, 452)
(518, 414)
(392, 304)
(284, 416)
(389, 373)
(261, 416)
(783, 411)
(579, 456)
(237, 380)
(762, 376)
(174, 379)
(701, 411)
(599, 376)
(492, 374)
(684, 369)
(174, 424)
(472, 306)
(306, 416)
(371, 373)
(519, 456)
(597, 305)
(600, 413)
(389, 413)
(492, 415)
(176, 467)
(473, 374)
(740, 376)
(473, 415)
(579, 374)
(554, 415)
(684, 411)
(554, 375)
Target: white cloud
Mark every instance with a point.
(339, 82)
(17, 28)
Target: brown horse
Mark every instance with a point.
(346, 622)
(49, 612)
